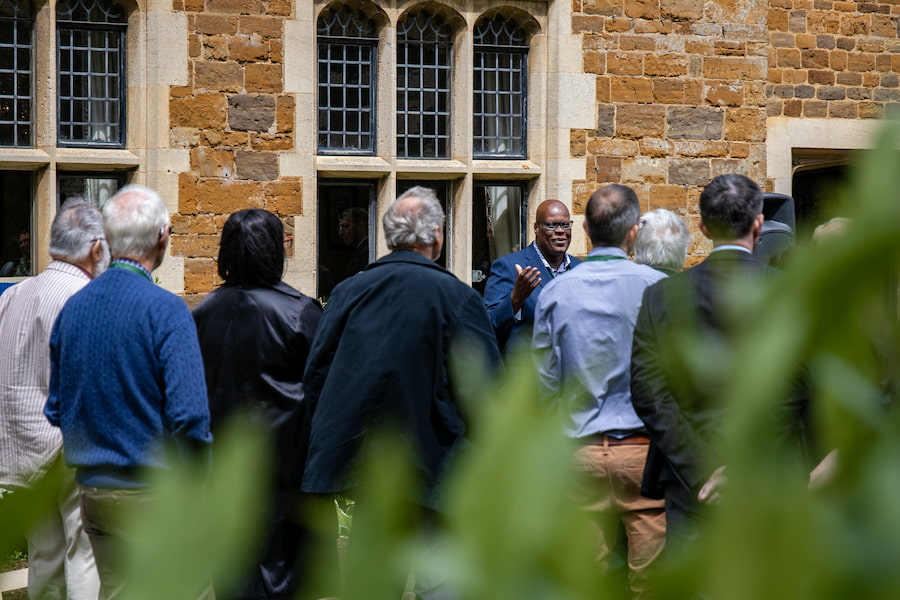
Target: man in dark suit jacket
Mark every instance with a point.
(381, 357)
(516, 279)
(684, 416)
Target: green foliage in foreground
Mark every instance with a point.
(511, 532)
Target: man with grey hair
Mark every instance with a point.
(381, 355)
(126, 378)
(662, 241)
(583, 324)
(60, 561)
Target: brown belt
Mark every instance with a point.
(601, 439)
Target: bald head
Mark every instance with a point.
(552, 230)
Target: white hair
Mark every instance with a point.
(135, 219)
(662, 240)
(415, 224)
(75, 228)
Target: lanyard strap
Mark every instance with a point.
(603, 257)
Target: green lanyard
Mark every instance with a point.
(132, 268)
(603, 257)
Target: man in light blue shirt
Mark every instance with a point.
(582, 341)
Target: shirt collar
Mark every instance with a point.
(566, 263)
(732, 247)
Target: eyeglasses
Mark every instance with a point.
(288, 241)
(554, 225)
(99, 239)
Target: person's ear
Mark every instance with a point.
(164, 234)
(96, 252)
(630, 237)
(704, 230)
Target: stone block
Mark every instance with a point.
(814, 59)
(279, 7)
(774, 107)
(285, 198)
(843, 110)
(644, 170)
(783, 40)
(203, 111)
(631, 89)
(740, 149)
(212, 163)
(831, 93)
(815, 109)
(728, 166)
(697, 123)
(203, 225)
(213, 24)
(271, 143)
(884, 26)
(861, 62)
(183, 137)
(656, 148)
(642, 9)
(797, 21)
(187, 194)
(258, 166)
(889, 80)
(589, 23)
(617, 25)
(270, 27)
(225, 196)
(846, 43)
(806, 41)
(882, 63)
(732, 68)
(804, 91)
(200, 275)
(245, 48)
(238, 7)
(577, 143)
(730, 48)
(669, 197)
(870, 44)
(870, 110)
(606, 169)
(602, 89)
(745, 124)
(606, 120)
(838, 60)
(698, 149)
(284, 114)
(251, 113)
(195, 48)
(823, 77)
(215, 47)
(726, 94)
(624, 63)
(681, 10)
(788, 58)
(665, 65)
(194, 245)
(594, 62)
(693, 92)
(859, 93)
(614, 147)
(638, 121)
(668, 91)
(783, 91)
(218, 76)
(778, 19)
(793, 108)
(263, 78)
(854, 26)
(691, 171)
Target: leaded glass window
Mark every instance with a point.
(16, 27)
(91, 71)
(424, 56)
(500, 77)
(347, 47)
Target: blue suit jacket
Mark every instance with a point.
(510, 332)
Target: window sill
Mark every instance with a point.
(511, 169)
(27, 159)
(95, 159)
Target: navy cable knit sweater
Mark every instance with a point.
(126, 379)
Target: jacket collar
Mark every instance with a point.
(406, 256)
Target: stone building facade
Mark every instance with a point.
(230, 104)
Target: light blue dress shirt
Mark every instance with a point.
(583, 327)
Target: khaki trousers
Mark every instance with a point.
(611, 493)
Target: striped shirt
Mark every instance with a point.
(28, 443)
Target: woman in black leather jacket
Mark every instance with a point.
(255, 332)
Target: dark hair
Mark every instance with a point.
(356, 215)
(728, 206)
(252, 248)
(610, 213)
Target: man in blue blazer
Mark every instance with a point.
(516, 279)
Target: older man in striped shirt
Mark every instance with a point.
(60, 561)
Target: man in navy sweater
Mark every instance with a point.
(126, 378)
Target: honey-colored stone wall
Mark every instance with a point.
(235, 119)
(833, 59)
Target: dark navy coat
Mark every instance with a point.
(380, 358)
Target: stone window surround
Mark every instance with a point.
(156, 55)
(545, 170)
